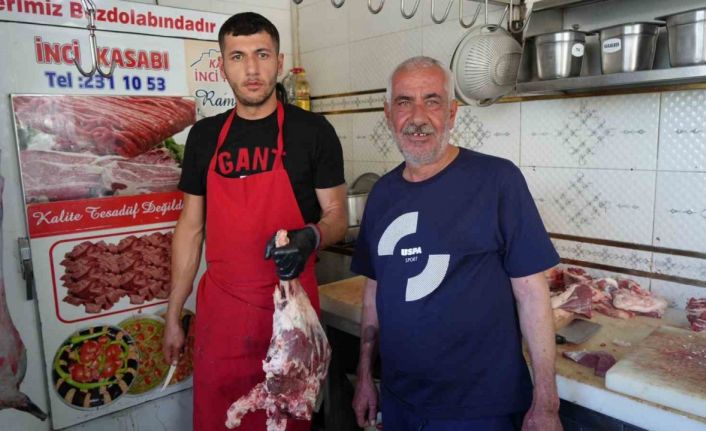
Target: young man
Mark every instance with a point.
(454, 270)
(247, 173)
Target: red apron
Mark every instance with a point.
(234, 302)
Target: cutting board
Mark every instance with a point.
(668, 367)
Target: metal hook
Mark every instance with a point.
(90, 9)
(336, 5)
(411, 14)
(446, 14)
(375, 11)
(460, 15)
(297, 1)
(510, 25)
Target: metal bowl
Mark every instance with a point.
(628, 47)
(687, 37)
(559, 54)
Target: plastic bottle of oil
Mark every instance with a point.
(301, 89)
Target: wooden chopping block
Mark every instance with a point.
(668, 367)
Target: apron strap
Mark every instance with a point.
(280, 137)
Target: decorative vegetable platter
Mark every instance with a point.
(95, 366)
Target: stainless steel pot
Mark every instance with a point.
(559, 54)
(628, 47)
(357, 198)
(687, 38)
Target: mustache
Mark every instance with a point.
(412, 129)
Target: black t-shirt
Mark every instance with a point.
(312, 154)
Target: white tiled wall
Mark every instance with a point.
(628, 168)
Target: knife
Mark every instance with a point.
(185, 323)
(577, 332)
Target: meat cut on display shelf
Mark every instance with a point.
(97, 275)
(106, 125)
(86, 175)
(296, 363)
(13, 357)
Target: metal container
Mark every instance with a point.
(559, 54)
(687, 38)
(628, 47)
(356, 205)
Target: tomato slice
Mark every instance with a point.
(78, 373)
(113, 351)
(89, 351)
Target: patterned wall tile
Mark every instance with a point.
(602, 254)
(680, 211)
(677, 294)
(364, 25)
(602, 132)
(318, 19)
(680, 266)
(493, 130)
(342, 125)
(372, 138)
(682, 137)
(328, 70)
(376, 58)
(607, 204)
(361, 101)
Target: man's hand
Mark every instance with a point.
(365, 401)
(173, 341)
(540, 418)
(291, 258)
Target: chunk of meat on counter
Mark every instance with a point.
(555, 279)
(575, 275)
(599, 360)
(696, 313)
(296, 363)
(576, 299)
(640, 302)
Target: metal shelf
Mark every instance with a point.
(644, 78)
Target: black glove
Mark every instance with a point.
(291, 258)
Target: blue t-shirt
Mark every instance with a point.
(442, 252)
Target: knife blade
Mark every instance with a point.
(577, 332)
(185, 324)
(170, 374)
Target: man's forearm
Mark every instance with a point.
(186, 257)
(537, 326)
(369, 330)
(334, 215)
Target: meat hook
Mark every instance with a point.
(90, 9)
(336, 5)
(297, 1)
(460, 15)
(511, 24)
(405, 14)
(373, 10)
(446, 14)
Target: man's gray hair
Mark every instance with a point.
(419, 63)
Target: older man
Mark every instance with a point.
(453, 249)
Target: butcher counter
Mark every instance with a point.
(341, 312)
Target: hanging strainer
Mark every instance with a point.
(485, 64)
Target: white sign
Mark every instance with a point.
(116, 16)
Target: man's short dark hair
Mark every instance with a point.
(246, 24)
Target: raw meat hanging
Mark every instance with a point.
(13, 358)
(296, 363)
